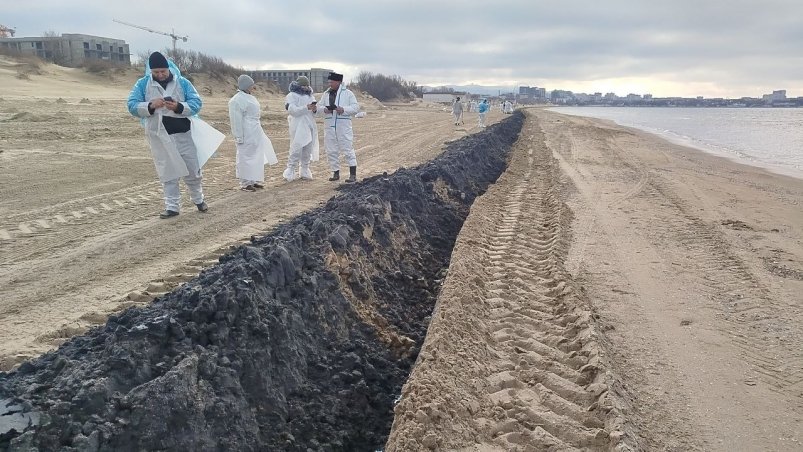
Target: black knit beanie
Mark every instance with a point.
(157, 61)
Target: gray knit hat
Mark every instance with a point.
(302, 80)
(244, 82)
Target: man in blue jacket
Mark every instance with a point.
(165, 101)
(482, 109)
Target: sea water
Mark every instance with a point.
(770, 138)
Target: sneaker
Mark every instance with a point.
(168, 214)
(248, 188)
(202, 207)
(259, 186)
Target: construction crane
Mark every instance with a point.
(172, 35)
(5, 32)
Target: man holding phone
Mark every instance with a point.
(166, 101)
(340, 105)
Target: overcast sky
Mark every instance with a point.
(711, 48)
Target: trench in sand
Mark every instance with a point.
(299, 340)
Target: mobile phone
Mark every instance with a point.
(314, 102)
(168, 99)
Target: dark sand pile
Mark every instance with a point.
(300, 340)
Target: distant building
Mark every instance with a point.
(559, 96)
(317, 77)
(776, 96)
(531, 95)
(533, 92)
(71, 49)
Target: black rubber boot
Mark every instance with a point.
(335, 176)
(352, 174)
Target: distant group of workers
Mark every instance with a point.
(482, 108)
(180, 142)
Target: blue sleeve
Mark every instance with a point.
(191, 97)
(136, 97)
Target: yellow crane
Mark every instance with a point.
(172, 35)
(6, 32)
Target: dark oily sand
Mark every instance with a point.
(300, 340)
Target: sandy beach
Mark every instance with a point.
(677, 274)
(610, 291)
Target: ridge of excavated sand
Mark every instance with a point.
(512, 359)
(81, 239)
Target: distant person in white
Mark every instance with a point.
(507, 107)
(300, 106)
(254, 148)
(339, 105)
(457, 111)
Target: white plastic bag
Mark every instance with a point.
(206, 138)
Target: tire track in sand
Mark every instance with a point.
(765, 339)
(512, 346)
(535, 323)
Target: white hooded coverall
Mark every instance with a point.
(338, 135)
(507, 107)
(254, 148)
(303, 135)
(457, 112)
(175, 155)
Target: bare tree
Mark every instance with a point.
(385, 87)
(192, 62)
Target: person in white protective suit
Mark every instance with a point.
(457, 111)
(254, 148)
(339, 105)
(304, 148)
(167, 104)
(507, 107)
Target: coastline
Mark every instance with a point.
(720, 150)
(693, 263)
